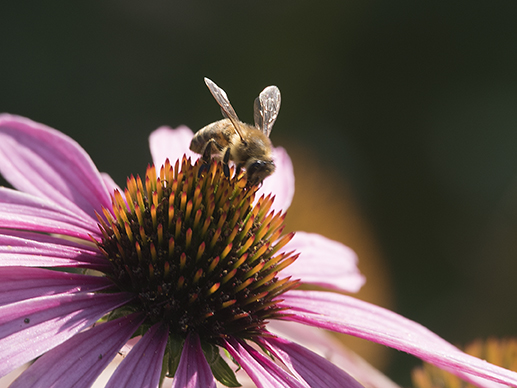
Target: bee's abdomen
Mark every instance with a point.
(197, 144)
(219, 131)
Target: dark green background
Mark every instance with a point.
(415, 103)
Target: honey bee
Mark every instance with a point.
(247, 146)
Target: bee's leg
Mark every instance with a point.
(202, 169)
(206, 157)
(207, 152)
(210, 146)
(226, 159)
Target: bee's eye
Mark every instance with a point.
(259, 170)
(256, 166)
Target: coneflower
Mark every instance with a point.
(192, 261)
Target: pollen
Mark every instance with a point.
(197, 249)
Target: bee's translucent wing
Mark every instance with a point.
(256, 114)
(226, 108)
(266, 108)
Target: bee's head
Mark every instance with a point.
(258, 170)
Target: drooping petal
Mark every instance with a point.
(324, 344)
(344, 314)
(39, 223)
(281, 182)
(309, 366)
(24, 211)
(166, 142)
(78, 361)
(20, 283)
(31, 327)
(264, 372)
(193, 370)
(48, 164)
(30, 249)
(110, 183)
(11, 197)
(324, 262)
(142, 366)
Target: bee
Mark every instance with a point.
(230, 139)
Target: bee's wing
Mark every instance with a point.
(226, 108)
(266, 108)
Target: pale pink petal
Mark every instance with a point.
(344, 314)
(24, 211)
(111, 186)
(281, 182)
(19, 283)
(307, 365)
(324, 262)
(78, 361)
(193, 369)
(321, 342)
(143, 366)
(18, 248)
(17, 198)
(38, 222)
(264, 372)
(32, 327)
(39, 160)
(172, 144)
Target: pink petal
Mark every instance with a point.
(20, 283)
(78, 361)
(40, 250)
(24, 211)
(48, 164)
(111, 186)
(143, 366)
(324, 262)
(166, 142)
(344, 314)
(193, 369)
(321, 342)
(31, 327)
(307, 365)
(281, 182)
(264, 372)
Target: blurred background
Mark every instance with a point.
(400, 117)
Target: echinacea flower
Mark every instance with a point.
(191, 261)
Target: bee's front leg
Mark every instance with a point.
(207, 155)
(226, 159)
(207, 152)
